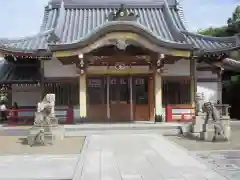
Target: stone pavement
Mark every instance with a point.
(139, 157)
(41, 167)
(225, 162)
(118, 156)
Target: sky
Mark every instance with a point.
(20, 18)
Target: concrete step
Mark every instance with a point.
(167, 132)
(90, 129)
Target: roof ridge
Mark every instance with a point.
(5, 41)
(61, 16)
(96, 3)
(226, 39)
(45, 18)
(181, 15)
(172, 26)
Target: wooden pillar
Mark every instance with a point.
(108, 98)
(158, 97)
(193, 69)
(151, 97)
(82, 96)
(42, 79)
(131, 97)
(219, 87)
(82, 88)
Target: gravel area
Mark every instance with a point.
(17, 145)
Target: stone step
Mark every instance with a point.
(166, 132)
(89, 129)
(133, 126)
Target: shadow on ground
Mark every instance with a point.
(22, 141)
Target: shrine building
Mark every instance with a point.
(116, 61)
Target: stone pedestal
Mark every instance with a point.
(51, 134)
(206, 132)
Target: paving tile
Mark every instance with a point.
(23, 167)
(225, 163)
(92, 166)
(142, 157)
(109, 166)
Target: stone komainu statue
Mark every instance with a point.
(45, 111)
(45, 129)
(212, 114)
(213, 117)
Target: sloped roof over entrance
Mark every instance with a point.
(71, 22)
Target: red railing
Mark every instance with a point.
(180, 113)
(26, 116)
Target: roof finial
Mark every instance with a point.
(62, 4)
(122, 14)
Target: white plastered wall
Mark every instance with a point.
(54, 68)
(212, 90)
(179, 68)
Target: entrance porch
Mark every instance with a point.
(123, 79)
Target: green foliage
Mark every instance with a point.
(232, 27)
(218, 32)
(234, 22)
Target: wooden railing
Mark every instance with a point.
(26, 116)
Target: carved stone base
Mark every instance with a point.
(223, 137)
(51, 134)
(207, 136)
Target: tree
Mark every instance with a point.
(232, 27)
(234, 22)
(218, 32)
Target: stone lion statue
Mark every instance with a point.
(45, 110)
(213, 117)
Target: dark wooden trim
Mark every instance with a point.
(208, 80)
(60, 79)
(42, 78)
(206, 68)
(175, 78)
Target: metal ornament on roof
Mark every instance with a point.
(121, 44)
(122, 14)
(121, 66)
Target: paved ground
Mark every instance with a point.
(17, 145)
(226, 163)
(120, 155)
(194, 145)
(38, 167)
(139, 157)
(224, 157)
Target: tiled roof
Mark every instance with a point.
(27, 44)
(74, 20)
(210, 43)
(231, 64)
